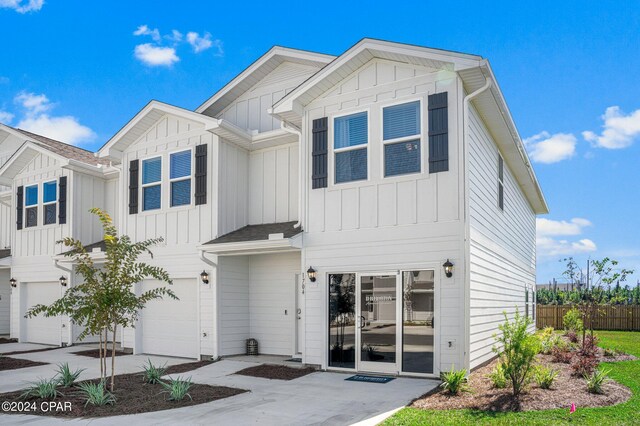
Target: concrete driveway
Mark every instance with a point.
(320, 398)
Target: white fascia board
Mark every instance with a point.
(7, 173)
(250, 247)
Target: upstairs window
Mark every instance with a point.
(351, 136)
(401, 139)
(49, 200)
(151, 186)
(500, 183)
(180, 178)
(31, 204)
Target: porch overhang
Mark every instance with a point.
(256, 239)
(247, 139)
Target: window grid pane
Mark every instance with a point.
(351, 165)
(151, 170)
(350, 130)
(402, 158)
(400, 121)
(181, 193)
(49, 192)
(50, 214)
(31, 196)
(180, 164)
(32, 217)
(151, 197)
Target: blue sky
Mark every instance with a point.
(77, 70)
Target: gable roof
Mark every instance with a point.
(143, 121)
(256, 72)
(473, 70)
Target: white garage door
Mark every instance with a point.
(170, 327)
(40, 329)
(5, 301)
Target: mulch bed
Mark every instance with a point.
(5, 340)
(187, 366)
(278, 372)
(7, 363)
(133, 396)
(567, 389)
(29, 352)
(95, 353)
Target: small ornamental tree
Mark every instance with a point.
(517, 349)
(105, 299)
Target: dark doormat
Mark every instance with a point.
(369, 379)
(294, 360)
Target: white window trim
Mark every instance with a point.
(189, 177)
(419, 136)
(333, 151)
(55, 201)
(36, 205)
(147, 185)
(500, 182)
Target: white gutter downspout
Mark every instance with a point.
(467, 262)
(294, 130)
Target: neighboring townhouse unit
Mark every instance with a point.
(373, 211)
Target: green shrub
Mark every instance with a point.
(65, 376)
(596, 379)
(497, 377)
(43, 388)
(152, 373)
(96, 393)
(609, 352)
(572, 321)
(455, 381)
(544, 376)
(517, 349)
(177, 389)
(550, 340)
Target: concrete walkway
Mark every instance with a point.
(320, 398)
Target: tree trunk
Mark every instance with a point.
(105, 351)
(100, 356)
(113, 356)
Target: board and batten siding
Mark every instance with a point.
(249, 111)
(233, 292)
(408, 222)
(502, 252)
(232, 193)
(5, 301)
(5, 224)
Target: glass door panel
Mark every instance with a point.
(377, 322)
(418, 321)
(342, 320)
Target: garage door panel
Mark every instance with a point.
(170, 327)
(41, 329)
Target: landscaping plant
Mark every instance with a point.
(572, 336)
(584, 365)
(66, 377)
(177, 389)
(43, 388)
(517, 349)
(152, 373)
(561, 355)
(572, 321)
(544, 376)
(596, 379)
(104, 300)
(96, 393)
(497, 377)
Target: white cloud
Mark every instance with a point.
(547, 148)
(6, 117)
(37, 119)
(548, 230)
(619, 130)
(145, 30)
(156, 55)
(200, 44)
(22, 6)
(176, 36)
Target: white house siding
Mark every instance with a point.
(233, 292)
(5, 223)
(232, 192)
(273, 185)
(5, 301)
(502, 243)
(87, 192)
(386, 224)
(249, 111)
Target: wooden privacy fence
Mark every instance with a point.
(611, 317)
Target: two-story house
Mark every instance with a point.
(373, 211)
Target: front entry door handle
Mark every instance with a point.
(362, 322)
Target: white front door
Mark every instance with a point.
(379, 317)
(299, 315)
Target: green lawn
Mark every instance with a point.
(627, 373)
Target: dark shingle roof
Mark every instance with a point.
(5, 253)
(64, 150)
(89, 247)
(258, 232)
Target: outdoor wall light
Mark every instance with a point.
(311, 273)
(13, 282)
(204, 276)
(63, 281)
(448, 268)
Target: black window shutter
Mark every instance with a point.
(62, 200)
(19, 206)
(438, 133)
(319, 153)
(201, 175)
(134, 166)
